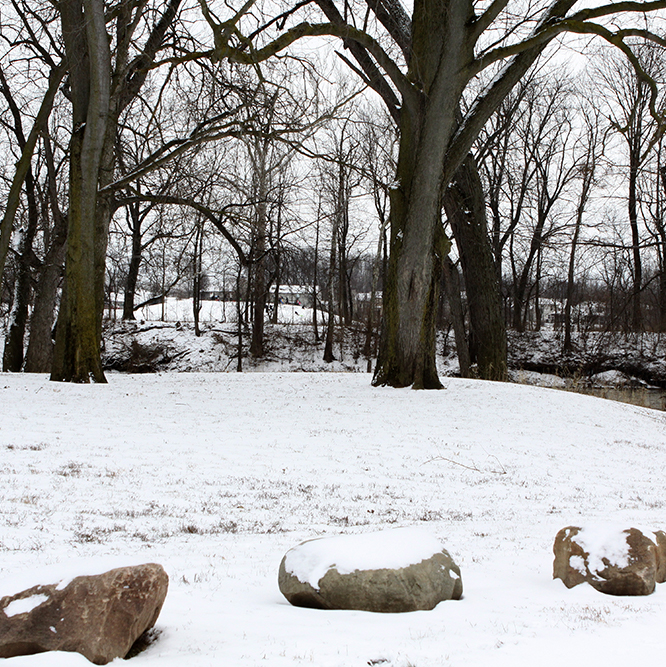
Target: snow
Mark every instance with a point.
(63, 573)
(392, 549)
(217, 475)
(24, 605)
(603, 541)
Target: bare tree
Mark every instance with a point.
(631, 91)
(592, 145)
(445, 46)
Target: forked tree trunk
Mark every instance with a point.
(428, 121)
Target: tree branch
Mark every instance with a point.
(24, 162)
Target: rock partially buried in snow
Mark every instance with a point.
(617, 562)
(99, 616)
(390, 571)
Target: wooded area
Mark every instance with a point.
(456, 160)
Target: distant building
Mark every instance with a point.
(295, 295)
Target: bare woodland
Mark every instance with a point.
(478, 166)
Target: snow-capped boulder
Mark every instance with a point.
(99, 616)
(399, 570)
(617, 562)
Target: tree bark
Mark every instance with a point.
(12, 357)
(452, 287)
(259, 291)
(78, 332)
(329, 357)
(134, 264)
(440, 47)
(636, 309)
(465, 209)
(39, 355)
(24, 163)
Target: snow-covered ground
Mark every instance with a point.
(216, 476)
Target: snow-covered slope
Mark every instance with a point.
(216, 476)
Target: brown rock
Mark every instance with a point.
(98, 616)
(577, 562)
(660, 541)
(421, 586)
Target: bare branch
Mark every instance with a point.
(23, 165)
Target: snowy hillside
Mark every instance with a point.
(216, 476)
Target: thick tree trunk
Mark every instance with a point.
(407, 351)
(465, 209)
(428, 121)
(78, 333)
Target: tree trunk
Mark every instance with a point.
(330, 323)
(134, 265)
(588, 178)
(452, 287)
(440, 47)
(567, 346)
(23, 166)
(315, 278)
(662, 254)
(78, 332)
(465, 209)
(39, 355)
(636, 311)
(370, 328)
(259, 283)
(12, 358)
(196, 277)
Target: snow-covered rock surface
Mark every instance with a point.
(217, 475)
(391, 549)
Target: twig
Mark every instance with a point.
(472, 467)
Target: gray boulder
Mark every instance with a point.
(98, 616)
(623, 562)
(416, 586)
